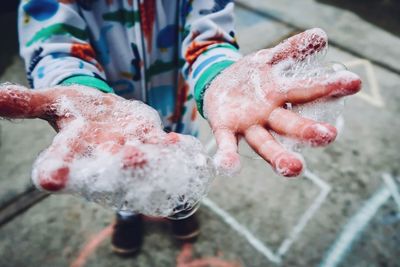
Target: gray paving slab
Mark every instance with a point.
(379, 244)
(344, 27)
(267, 32)
(255, 32)
(245, 19)
(57, 232)
(50, 233)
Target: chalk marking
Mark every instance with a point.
(91, 246)
(355, 227)
(375, 98)
(242, 230)
(306, 217)
(185, 259)
(391, 185)
(294, 233)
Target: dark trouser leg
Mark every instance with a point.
(185, 225)
(127, 237)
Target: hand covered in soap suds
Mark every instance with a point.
(111, 150)
(248, 99)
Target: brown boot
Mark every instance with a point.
(127, 236)
(187, 229)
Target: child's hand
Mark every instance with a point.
(87, 120)
(248, 99)
(111, 151)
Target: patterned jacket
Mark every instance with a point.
(163, 52)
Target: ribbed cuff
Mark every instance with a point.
(88, 81)
(205, 79)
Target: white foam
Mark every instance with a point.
(167, 174)
(323, 110)
(247, 92)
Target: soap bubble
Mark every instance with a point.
(150, 172)
(173, 179)
(326, 110)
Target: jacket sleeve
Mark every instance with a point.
(209, 45)
(54, 43)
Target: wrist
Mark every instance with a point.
(89, 81)
(205, 80)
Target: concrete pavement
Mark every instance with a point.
(344, 211)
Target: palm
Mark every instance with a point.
(248, 100)
(90, 122)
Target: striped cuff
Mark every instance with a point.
(205, 79)
(207, 66)
(88, 81)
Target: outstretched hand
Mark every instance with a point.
(87, 120)
(248, 98)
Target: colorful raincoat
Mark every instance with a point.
(163, 52)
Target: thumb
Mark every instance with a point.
(17, 101)
(226, 159)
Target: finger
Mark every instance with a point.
(339, 84)
(300, 46)
(51, 169)
(284, 162)
(54, 180)
(288, 123)
(133, 158)
(171, 138)
(226, 159)
(19, 102)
